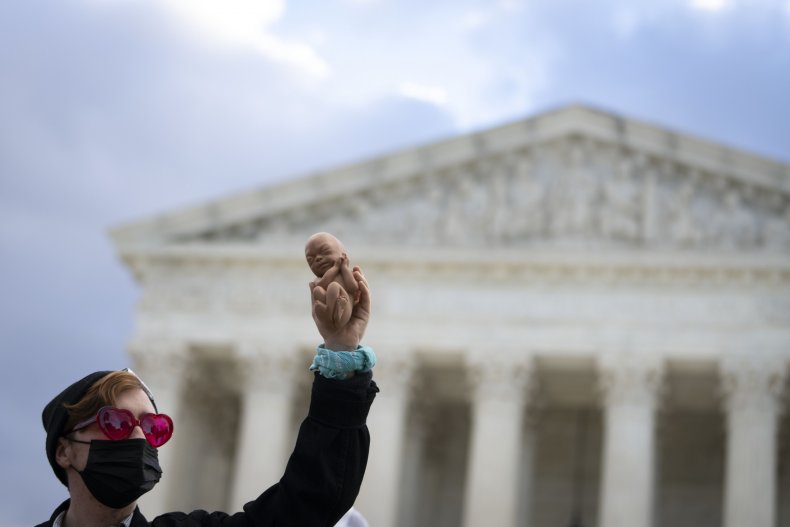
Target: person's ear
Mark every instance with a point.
(63, 453)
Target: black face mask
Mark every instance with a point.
(119, 472)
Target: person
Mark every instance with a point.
(335, 291)
(352, 518)
(103, 433)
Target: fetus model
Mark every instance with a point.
(335, 292)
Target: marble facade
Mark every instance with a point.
(579, 318)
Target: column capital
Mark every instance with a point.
(630, 379)
(751, 382)
(267, 366)
(160, 362)
(397, 373)
(500, 378)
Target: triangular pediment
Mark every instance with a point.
(574, 177)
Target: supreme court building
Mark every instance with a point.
(580, 319)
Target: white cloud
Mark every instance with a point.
(246, 23)
(431, 94)
(473, 20)
(512, 6)
(711, 5)
(232, 20)
(363, 3)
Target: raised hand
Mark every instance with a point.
(346, 338)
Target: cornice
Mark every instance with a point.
(566, 267)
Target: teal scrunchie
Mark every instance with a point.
(339, 364)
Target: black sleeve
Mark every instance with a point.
(324, 473)
(325, 470)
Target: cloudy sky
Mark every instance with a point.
(113, 110)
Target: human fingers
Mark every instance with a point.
(359, 276)
(364, 290)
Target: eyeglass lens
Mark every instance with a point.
(118, 424)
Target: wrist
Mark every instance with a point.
(339, 345)
(342, 364)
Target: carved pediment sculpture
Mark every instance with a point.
(574, 187)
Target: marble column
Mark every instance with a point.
(413, 473)
(379, 498)
(493, 479)
(752, 395)
(264, 441)
(527, 468)
(161, 365)
(629, 386)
